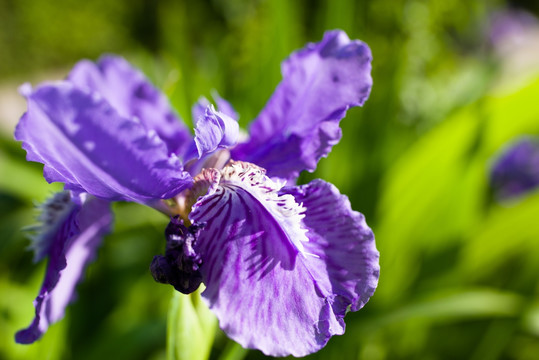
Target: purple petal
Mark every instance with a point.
(224, 106)
(344, 245)
(509, 27)
(215, 130)
(131, 94)
(516, 170)
(72, 244)
(300, 123)
(199, 109)
(52, 217)
(86, 144)
(258, 272)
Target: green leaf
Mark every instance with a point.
(17, 313)
(233, 351)
(191, 328)
(20, 179)
(429, 197)
(506, 231)
(454, 305)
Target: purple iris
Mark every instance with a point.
(516, 170)
(282, 265)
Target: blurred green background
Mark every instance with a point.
(459, 271)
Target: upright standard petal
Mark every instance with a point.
(215, 130)
(267, 289)
(86, 144)
(132, 95)
(300, 123)
(223, 106)
(70, 244)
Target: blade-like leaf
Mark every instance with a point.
(191, 328)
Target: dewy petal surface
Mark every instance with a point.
(131, 94)
(86, 144)
(74, 244)
(300, 123)
(260, 278)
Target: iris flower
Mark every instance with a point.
(281, 264)
(515, 170)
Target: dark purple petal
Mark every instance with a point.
(52, 219)
(86, 144)
(72, 244)
(266, 288)
(131, 94)
(516, 170)
(344, 245)
(300, 123)
(215, 130)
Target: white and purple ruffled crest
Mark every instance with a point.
(282, 265)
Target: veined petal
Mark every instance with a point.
(53, 218)
(223, 106)
(256, 266)
(300, 123)
(199, 108)
(215, 130)
(131, 94)
(346, 258)
(86, 144)
(71, 245)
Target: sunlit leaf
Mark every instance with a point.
(17, 312)
(507, 231)
(191, 328)
(233, 351)
(429, 197)
(454, 305)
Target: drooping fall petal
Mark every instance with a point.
(70, 245)
(270, 288)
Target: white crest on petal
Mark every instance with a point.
(283, 208)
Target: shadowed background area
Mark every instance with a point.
(454, 81)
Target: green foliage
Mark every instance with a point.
(458, 269)
(191, 328)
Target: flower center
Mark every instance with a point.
(180, 265)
